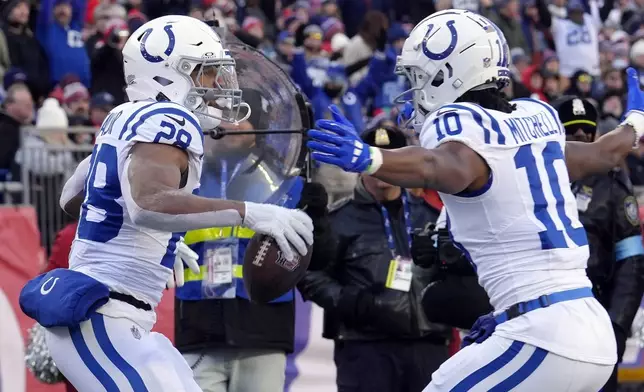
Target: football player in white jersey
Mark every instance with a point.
(138, 198)
(576, 39)
(503, 171)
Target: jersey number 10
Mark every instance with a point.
(551, 237)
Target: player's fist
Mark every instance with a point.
(337, 143)
(288, 227)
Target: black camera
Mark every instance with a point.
(436, 248)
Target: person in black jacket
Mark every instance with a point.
(24, 49)
(371, 290)
(609, 212)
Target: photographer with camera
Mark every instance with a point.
(107, 61)
(454, 296)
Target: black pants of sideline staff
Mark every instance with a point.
(387, 366)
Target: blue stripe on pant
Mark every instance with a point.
(498, 363)
(98, 325)
(91, 362)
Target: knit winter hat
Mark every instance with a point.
(51, 115)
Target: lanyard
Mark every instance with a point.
(224, 177)
(387, 223)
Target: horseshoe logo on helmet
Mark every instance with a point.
(167, 51)
(450, 48)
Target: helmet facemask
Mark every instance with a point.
(418, 80)
(215, 96)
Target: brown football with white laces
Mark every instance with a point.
(267, 274)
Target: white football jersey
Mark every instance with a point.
(577, 45)
(108, 247)
(521, 231)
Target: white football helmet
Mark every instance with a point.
(173, 58)
(449, 53)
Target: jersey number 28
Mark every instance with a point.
(551, 237)
(101, 215)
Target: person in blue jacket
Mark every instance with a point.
(335, 88)
(59, 32)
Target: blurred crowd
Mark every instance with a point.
(61, 66)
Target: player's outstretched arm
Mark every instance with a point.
(154, 199)
(607, 152)
(450, 168)
(583, 159)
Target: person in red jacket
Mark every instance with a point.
(60, 259)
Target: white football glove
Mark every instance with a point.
(283, 224)
(184, 255)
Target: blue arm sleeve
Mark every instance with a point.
(79, 8)
(299, 75)
(45, 18)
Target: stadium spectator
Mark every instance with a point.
(371, 291)
(107, 61)
(76, 101)
(135, 16)
(330, 9)
(520, 61)
(581, 84)
(103, 14)
(284, 49)
(372, 34)
(13, 75)
(59, 32)
(575, 34)
(613, 80)
(611, 109)
(508, 18)
(551, 86)
(34, 155)
(25, 51)
(100, 105)
(17, 110)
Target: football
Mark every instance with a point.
(267, 274)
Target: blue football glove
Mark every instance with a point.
(337, 143)
(635, 98)
(634, 105)
(406, 114)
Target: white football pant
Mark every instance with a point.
(117, 355)
(500, 365)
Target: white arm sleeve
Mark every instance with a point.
(76, 183)
(170, 222)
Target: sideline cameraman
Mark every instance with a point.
(371, 290)
(454, 296)
(610, 215)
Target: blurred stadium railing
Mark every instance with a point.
(47, 157)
